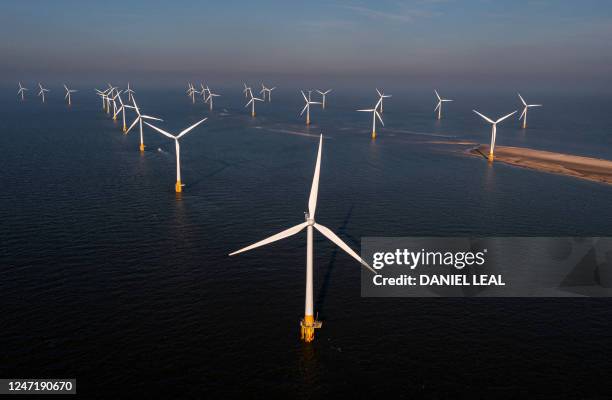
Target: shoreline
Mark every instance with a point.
(593, 169)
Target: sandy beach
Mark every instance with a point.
(593, 169)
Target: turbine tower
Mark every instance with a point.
(21, 91)
(178, 187)
(309, 324)
(493, 131)
(375, 115)
(439, 106)
(139, 119)
(323, 94)
(524, 113)
(307, 106)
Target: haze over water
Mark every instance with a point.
(106, 275)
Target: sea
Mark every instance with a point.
(110, 277)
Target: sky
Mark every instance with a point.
(555, 42)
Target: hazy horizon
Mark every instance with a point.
(444, 42)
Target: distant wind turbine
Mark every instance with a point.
(139, 119)
(307, 106)
(524, 113)
(179, 185)
(323, 94)
(68, 96)
(42, 92)
(247, 91)
(114, 100)
(382, 96)
(375, 115)
(129, 92)
(209, 100)
(121, 110)
(21, 91)
(267, 90)
(493, 130)
(204, 92)
(252, 103)
(309, 324)
(439, 106)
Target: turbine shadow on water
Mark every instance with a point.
(332, 263)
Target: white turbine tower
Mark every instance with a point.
(307, 106)
(323, 94)
(439, 106)
(179, 185)
(21, 91)
(375, 115)
(68, 94)
(103, 95)
(309, 324)
(524, 113)
(139, 119)
(493, 130)
(209, 100)
(129, 92)
(382, 96)
(252, 103)
(42, 92)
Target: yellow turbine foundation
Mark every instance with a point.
(491, 157)
(373, 134)
(307, 328)
(253, 114)
(142, 146)
(178, 187)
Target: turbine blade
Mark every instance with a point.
(281, 235)
(185, 131)
(163, 132)
(438, 106)
(150, 117)
(486, 118)
(522, 100)
(304, 109)
(377, 91)
(303, 95)
(505, 116)
(131, 126)
(379, 118)
(437, 95)
(314, 190)
(523, 113)
(334, 238)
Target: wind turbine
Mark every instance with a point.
(113, 99)
(179, 185)
(265, 90)
(68, 92)
(247, 91)
(493, 130)
(439, 106)
(323, 94)
(309, 324)
(139, 119)
(524, 113)
(42, 92)
(252, 103)
(204, 92)
(191, 93)
(375, 115)
(129, 92)
(209, 100)
(307, 106)
(382, 96)
(122, 111)
(21, 91)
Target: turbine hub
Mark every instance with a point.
(310, 221)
